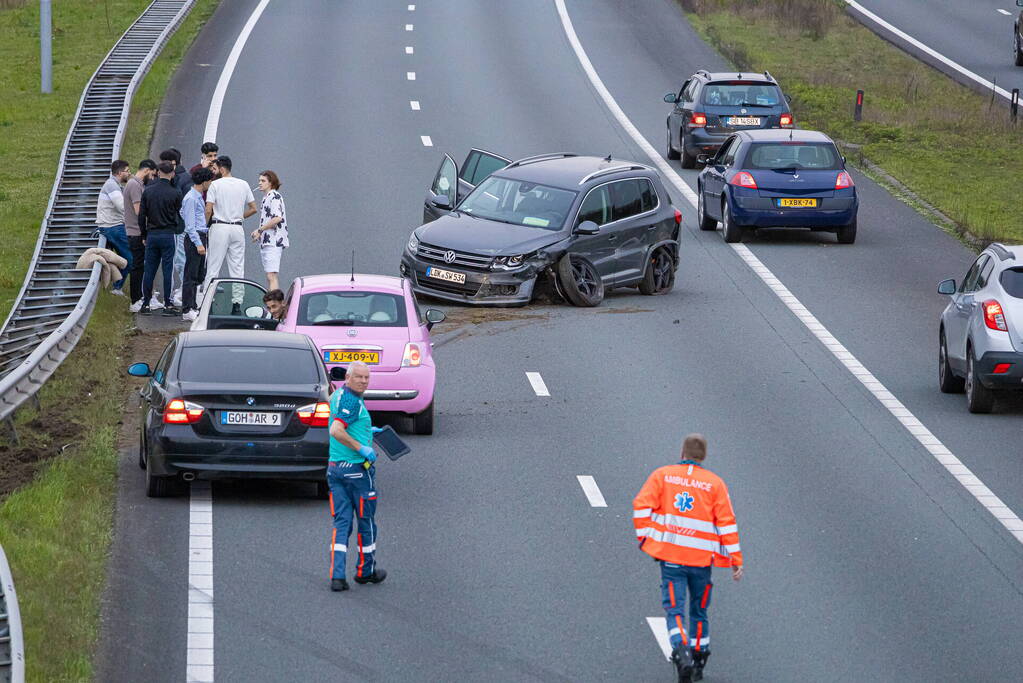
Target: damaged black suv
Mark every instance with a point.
(582, 224)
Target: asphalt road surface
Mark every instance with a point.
(976, 35)
(865, 559)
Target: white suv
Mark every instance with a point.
(981, 333)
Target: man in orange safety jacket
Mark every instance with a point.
(684, 520)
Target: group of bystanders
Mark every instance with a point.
(187, 223)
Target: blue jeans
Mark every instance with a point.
(117, 239)
(178, 281)
(676, 579)
(159, 254)
(352, 492)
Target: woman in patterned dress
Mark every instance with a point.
(272, 233)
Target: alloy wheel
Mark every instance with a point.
(585, 278)
(662, 267)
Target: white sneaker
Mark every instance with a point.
(191, 315)
(117, 292)
(135, 307)
(155, 303)
(176, 298)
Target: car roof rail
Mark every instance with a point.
(1000, 251)
(614, 169)
(703, 72)
(767, 75)
(540, 157)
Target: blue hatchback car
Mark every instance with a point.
(777, 178)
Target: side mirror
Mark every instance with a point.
(843, 160)
(703, 159)
(337, 373)
(948, 287)
(254, 312)
(587, 228)
(441, 201)
(434, 316)
(139, 370)
(788, 98)
(672, 98)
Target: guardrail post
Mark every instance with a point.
(858, 111)
(9, 423)
(1015, 104)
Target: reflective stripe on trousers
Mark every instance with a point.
(352, 494)
(676, 581)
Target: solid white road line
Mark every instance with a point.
(414, 104)
(1006, 13)
(537, 383)
(928, 50)
(199, 660)
(409, 49)
(427, 142)
(408, 27)
(592, 491)
(943, 455)
(213, 117)
(410, 75)
(660, 628)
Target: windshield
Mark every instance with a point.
(365, 309)
(795, 156)
(248, 365)
(519, 202)
(739, 93)
(1012, 282)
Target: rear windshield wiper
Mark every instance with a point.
(753, 104)
(335, 322)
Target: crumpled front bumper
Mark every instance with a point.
(481, 288)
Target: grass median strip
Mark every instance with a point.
(60, 479)
(948, 144)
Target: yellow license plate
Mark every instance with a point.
(800, 203)
(368, 357)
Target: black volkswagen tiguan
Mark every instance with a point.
(586, 224)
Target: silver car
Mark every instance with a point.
(981, 335)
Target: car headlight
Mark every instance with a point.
(515, 261)
(509, 262)
(413, 243)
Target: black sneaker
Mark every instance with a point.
(145, 310)
(682, 658)
(699, 661)
(170, 311)
(338, 585)
(377, 576)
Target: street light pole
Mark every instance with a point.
(46, 44)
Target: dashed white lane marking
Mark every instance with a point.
(537, 383)
(410, 75)
(592, 491)
(427, 142)
(930, 51)
(199, 661)
(408, 27)
(1005, 12)
(411, 8)
(213, 117)
(409, 49)
(414, 104)
(660, 628)
(943, 455)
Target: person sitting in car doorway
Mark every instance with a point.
(274, 302)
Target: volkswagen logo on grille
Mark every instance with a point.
(352, 333)
(449, 257)
(250, 401)
(742, 111)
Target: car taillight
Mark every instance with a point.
(743, 179)
(412, 357)
(785, 120)
(314, 414)
(1002, 368)
(181, 412)
(993, 316)
(678, 217)
(843, 180)
(698, 120)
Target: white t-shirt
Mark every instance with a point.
(229, 196)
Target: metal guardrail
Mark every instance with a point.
(12, 646)
(56, 301)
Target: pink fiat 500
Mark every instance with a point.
(375, 319)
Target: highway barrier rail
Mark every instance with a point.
(12, 647)
(56, 301)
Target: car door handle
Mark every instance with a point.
(612, 237)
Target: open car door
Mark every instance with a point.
(451, 185)
(219, 312)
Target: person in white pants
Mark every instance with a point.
(229, 201)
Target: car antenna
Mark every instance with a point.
(790, 140)
(607, 158)
(353, 266)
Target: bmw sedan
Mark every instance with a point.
(233, 404)
(777, 178)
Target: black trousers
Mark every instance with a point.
(138, 266)
(195, 272)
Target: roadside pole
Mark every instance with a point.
(46, 44)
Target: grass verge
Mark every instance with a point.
(948, 144)
(56, 530)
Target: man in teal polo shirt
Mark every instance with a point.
(350, 475)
